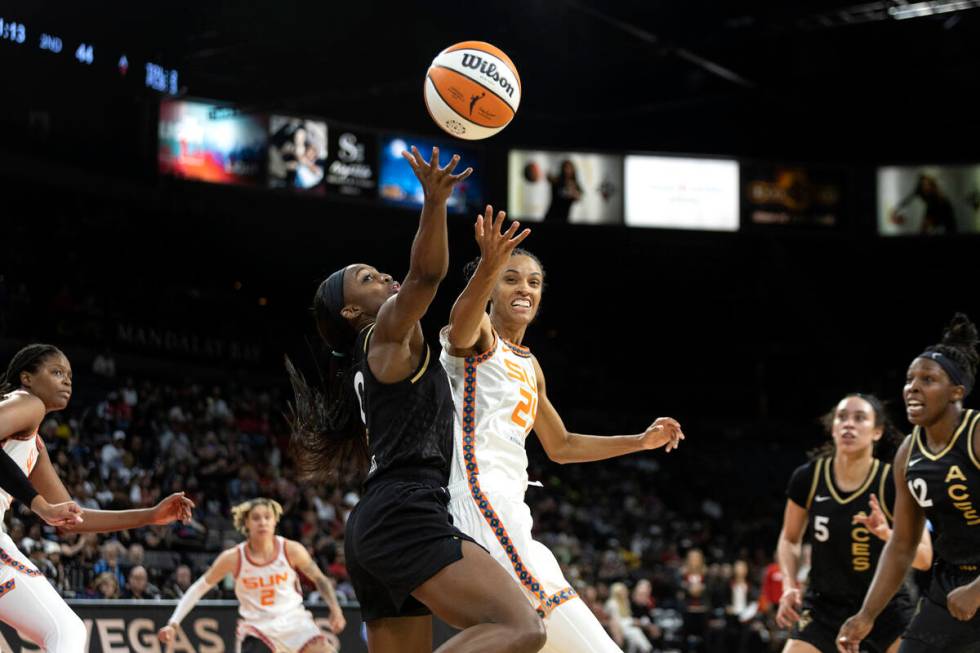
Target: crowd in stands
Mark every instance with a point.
(660, 562)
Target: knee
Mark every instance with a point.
(530, 635)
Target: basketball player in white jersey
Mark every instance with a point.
(267, 585)
(499, 393)
(38, 382)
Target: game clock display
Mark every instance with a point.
(12, 31)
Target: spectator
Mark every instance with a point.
(105, 586)
(181, 580)
(104, 365)
(618, 608)
(109, 562)
(138, 586)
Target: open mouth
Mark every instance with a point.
(521, 304)
(914, 407)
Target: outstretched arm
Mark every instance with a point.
(564, 447)
(399, 316)
(469, 324)
(225, 564)
(45, 480)
(301, 561)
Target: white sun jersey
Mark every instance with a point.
(267, 591)
(25, 453)
(495, 396)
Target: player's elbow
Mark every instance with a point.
(559, 455)
(460, 338)
(426, 276)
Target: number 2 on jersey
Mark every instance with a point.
(267, 597)
(526, 411)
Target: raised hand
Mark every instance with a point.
(437, 183)
(496, 246)
(874, 522)
(665, 431)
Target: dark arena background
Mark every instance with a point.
(749, 247)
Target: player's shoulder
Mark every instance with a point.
(230, 560)
(23, 400)
(809, 468)
(293, 550)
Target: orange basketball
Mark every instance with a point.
(472, 90)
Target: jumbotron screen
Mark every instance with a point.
(210, 142)
(574, 187)
(682, 193)
(928, 200)
(397, 183)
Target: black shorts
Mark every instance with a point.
(821, 618)
(398, 536)
(934, 629)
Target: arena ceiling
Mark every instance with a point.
(713, 76)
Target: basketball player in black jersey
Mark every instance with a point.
(404, 556)
(828, 497)
(937, 474)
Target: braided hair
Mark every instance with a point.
(328, 441)
(28, 359)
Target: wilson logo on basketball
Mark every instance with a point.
(489, 69)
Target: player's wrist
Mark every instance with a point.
(788, 590)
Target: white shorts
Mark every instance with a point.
(288, 633)
(502, 525)
(29, 604)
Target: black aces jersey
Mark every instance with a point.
(946, 484)
(409, 423)
(844, 555)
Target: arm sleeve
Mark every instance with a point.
(800, 484)
(14, 482)
(190, 598)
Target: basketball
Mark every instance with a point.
(472, 90)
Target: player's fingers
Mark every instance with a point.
(434, 161)
(453, 162)
(411, 160)
(517, 240)
(463, 175)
